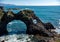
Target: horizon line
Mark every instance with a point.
(33, 5)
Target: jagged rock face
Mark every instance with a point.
(34, 28)
(4, 19)
(33, 23)
(3, 29)
(49, 26)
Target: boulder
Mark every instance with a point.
(48, 26)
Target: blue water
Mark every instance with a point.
(45, 13)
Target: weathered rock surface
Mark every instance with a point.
(49, 26)
(32, 28)
(28, 17)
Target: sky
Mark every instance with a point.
(31, 2)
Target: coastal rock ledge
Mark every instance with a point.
(34, 25)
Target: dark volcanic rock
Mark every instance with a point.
(1, 7)
(28, 17)
(49, 26)
(33, 23)
(3, 29)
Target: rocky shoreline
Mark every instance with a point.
(34, 25)
(24, 38)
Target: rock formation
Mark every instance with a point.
(49, 26)
(33, 23)
(28, 16)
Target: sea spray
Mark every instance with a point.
(16, 38)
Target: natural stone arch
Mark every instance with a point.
(27, 16)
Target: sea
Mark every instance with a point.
(45, 13)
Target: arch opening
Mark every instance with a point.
(16, 27)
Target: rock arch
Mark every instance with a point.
(28, 17)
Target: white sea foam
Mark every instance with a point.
(34, 21)
(57, 30)
(16, 38)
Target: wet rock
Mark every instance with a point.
(3, 41)
(49, 26)
(3, 29)
(1, 7)
(35, 28)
